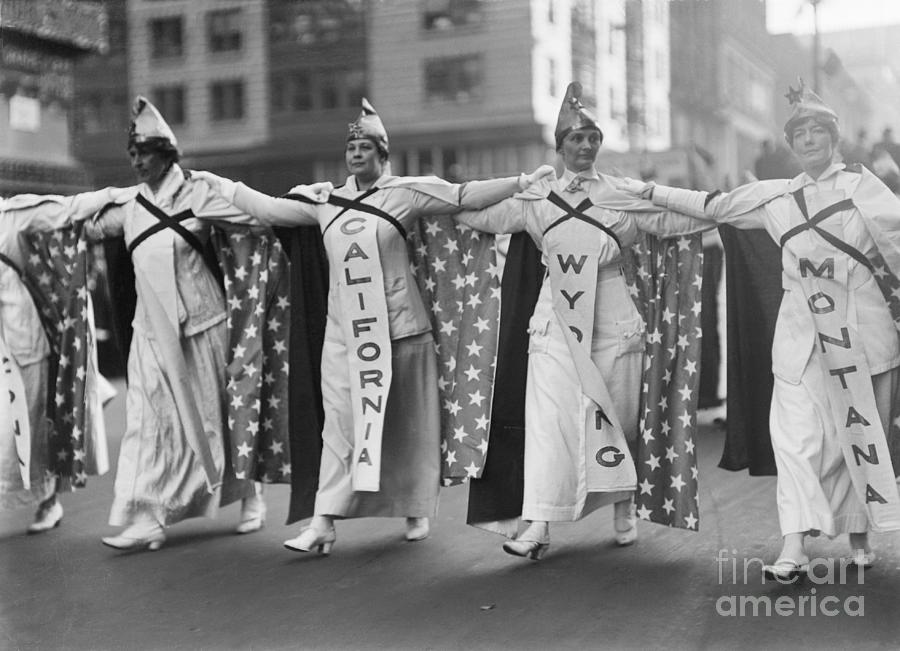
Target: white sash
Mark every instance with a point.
(573, 264)
(850, 394)
(364, 319)
(14, 411)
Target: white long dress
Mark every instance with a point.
(556, 408)
(173, 463)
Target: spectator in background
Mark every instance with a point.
(885, 167)
(858, 152)
(886, 144)
(775, 162)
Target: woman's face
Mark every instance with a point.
(580, 148)
(813, 145)
(149, 165)
(363, 159)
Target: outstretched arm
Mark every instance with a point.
(743, 207)
(272, 211)
(475, 195)
(34, 212)
(507, 216)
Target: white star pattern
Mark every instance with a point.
(260, 311)
(666, 456)
(458, 274)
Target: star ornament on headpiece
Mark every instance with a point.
(807, 105)
(148, 125)
(369, 125)
(573, 115)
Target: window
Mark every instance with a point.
(441, 15)
(356, 86)
(223, 30)
(227, 100)
(551, 77)
(328, 90)
(170, 102)
(166, 37)
(457, 79)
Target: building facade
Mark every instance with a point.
(40, 41)
(723, 82)
(262, 90)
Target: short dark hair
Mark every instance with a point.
(160, 145)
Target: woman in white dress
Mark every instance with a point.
(379, 349)
(174, 458)
(835, 352)
(581, 231)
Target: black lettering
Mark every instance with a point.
(826, 268)
(604, 460)
(373, 376)
(570, 262)
(355, 252)
(840, 372)
(854, 417)
(828, 307)
(346, 228)
(355, 281)
(571, 299)
(367, 402)
(872, 457)
(359, 325)
(873, 495)
(369, 351)
(843, 342)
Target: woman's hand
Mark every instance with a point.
(633, 187)
(544, 171)
(317, 191)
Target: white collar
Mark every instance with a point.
(169, 187)
(568, 175)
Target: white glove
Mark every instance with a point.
(317, 191)
(544, 171)
(633, 187)
(216, 183)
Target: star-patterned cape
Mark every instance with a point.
(256, 276)
(664, 276)
(255, 273)
(457, 272)
(55, 273)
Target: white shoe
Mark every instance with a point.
(417, 529)
(861, 558)
(144, 534)
(46, 518)
(311, 538)
(253, 513)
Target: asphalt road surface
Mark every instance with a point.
(210, 589)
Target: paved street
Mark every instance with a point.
(210, 589)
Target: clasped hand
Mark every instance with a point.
(527, 180)
(317, 191)
(631, 186)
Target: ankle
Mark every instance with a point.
(322, 523)
(860, 541)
